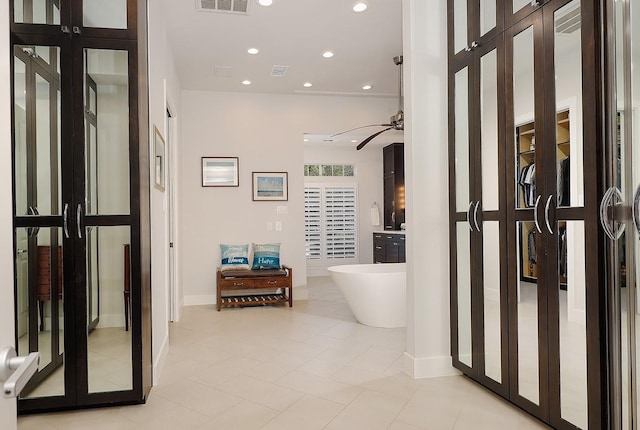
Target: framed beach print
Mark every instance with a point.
(270, 186)
(219, 171)
(158, 143)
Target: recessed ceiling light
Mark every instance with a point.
(354, 140)
(265, 2)
(308, 84)
(253, 51)
(306, 140)
(366, 87)
(360, 6)
(246, 82)
(327, 54)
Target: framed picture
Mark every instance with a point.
(219, 171)
(270, 186)
(159, 157)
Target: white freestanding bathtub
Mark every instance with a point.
(376, 293)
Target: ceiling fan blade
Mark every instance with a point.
(358, 128)
(370, 138)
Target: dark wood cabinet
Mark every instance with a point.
(393, 165)
(389, 248)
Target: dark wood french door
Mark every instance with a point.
(77, 193)
(540, 243)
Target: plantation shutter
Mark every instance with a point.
(313, 222)
(330, 214)
(340, 222)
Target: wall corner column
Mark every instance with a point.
(427, 187)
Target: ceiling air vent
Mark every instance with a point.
(279, 71)
(569, 21)
(226, 6)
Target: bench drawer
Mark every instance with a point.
(272, 282)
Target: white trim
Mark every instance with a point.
(428, 367)
(160, 361)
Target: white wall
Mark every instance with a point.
(369, 177)
(163, 87)
(266, 133)
(426, 173)
(8, 411)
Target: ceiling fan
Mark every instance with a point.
(396, 122)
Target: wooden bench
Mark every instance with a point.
(235, 283)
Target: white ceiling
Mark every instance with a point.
(291, 33)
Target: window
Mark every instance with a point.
(329, 170)
(330, 221)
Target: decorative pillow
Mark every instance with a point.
(234, 257)
(266, 256)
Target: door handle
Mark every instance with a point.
(65, 220)
(607, 202)
(546, 214)
(78, 219)
(535, 214)
(16, 371)
(475, 216)
(469, 216)
(635, 210)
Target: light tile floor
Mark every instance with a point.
(308, 367)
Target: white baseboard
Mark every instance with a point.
(159, 362)
(429, 367)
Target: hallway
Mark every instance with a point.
(306, 367)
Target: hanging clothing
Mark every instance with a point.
(527, 181)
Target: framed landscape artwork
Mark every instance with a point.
(270, 186)
(219, 171)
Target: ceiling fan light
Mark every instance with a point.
(327, 54)
(265, 2)
(360, 6)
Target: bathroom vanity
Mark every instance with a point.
(389, 246)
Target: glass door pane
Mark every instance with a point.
(572, 289)
(460, 27)
(40, 310)
(107, 200)
(462, 164)
(36, 12)
(109, 344)
(107, 132)
(38, 253)
(491, 170)
(527, 311)
(487, 16)
(105, 13)
(463, 247)
(491, 298)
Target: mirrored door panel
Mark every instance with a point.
(105, 13)
(568, 106)
(491, 293)
(528, 303)
(572, 322)
(462, 144)
(40, 307)
(489, 136)
(109, 343)
(36, 11)
(463, 297)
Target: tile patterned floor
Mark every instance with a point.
(308, 367)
